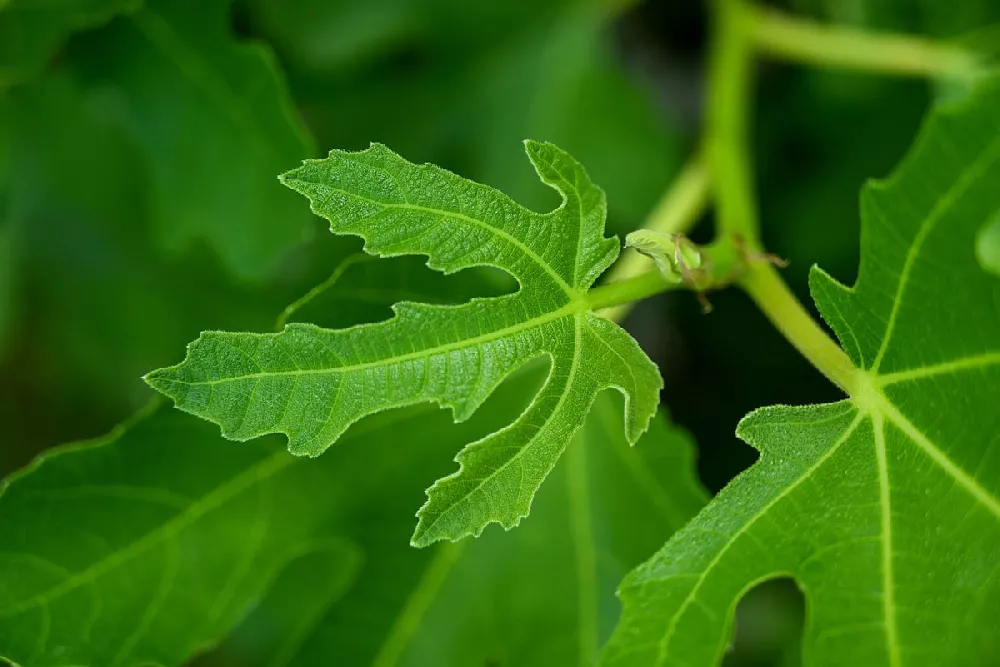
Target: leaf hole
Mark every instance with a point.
(362, 289)
(767, 629)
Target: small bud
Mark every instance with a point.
(674, 254)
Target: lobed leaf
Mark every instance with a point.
(884, 507)
(311, 383)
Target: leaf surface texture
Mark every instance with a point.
(884, 507)
(312, 383)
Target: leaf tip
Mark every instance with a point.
(161, 379)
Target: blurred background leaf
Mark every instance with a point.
(143, 547)
(215, 125)
(99, 305)
(928, 17)
(462, 84)
(542, 594)
(32, 30)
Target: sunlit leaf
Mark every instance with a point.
(312, 383)
(885, 507)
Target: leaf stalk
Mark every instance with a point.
(680, 207)
(769, 291)
(804, 41)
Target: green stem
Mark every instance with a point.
(729, 99)
(622, 293)
(765, 286)
(729, 81)
(805, 41)
(678, 210)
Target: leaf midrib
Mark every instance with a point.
(877, 403)
(567, 389)
(985, 159)
(569, 309)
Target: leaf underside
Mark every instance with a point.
(311, 383)
(884, 507)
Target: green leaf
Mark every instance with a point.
(312, 383)
(97, 524)
(32, 30)
(540, 596)
(144, 546)
(884, 507)
(216, 123)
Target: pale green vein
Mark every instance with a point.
(964, 479)
(266, 468)
(418, 603)
(888, 580)
(537, 259)
(344, 265)
(463, 344)
(167, 578)
(664, 652)
(516, 458)
(150, 495)
(974, 362)
(251, 548)
(975, 171)
(583, 541)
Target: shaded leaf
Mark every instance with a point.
(143, 546)
(98, 302)
(542, 595)
(215, 122)
(32, 30)
(885, 507)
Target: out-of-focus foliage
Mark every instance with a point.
(192, 96)
(32, 30)
(928, 17)
(542, 594)
(462, 84)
